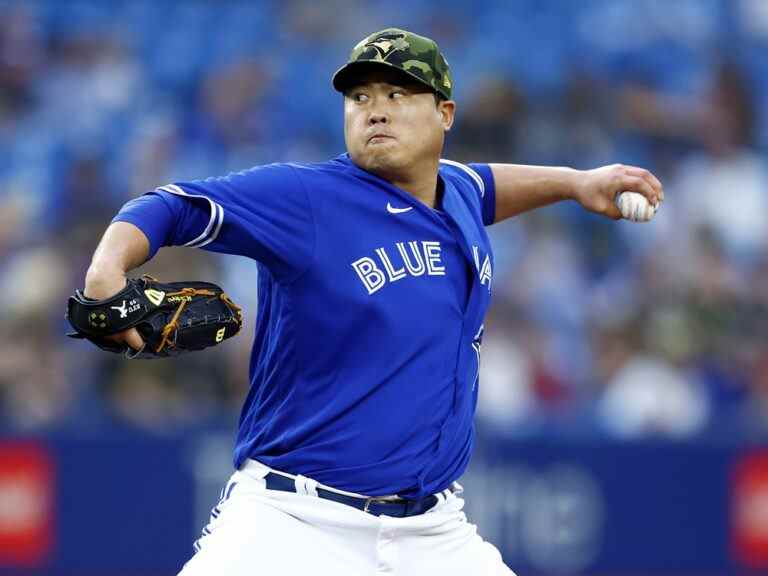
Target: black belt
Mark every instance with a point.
(377, 506)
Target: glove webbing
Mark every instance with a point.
(173, 324)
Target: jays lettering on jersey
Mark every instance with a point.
(366, 356)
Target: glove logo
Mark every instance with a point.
(97, 319)
(123, 309)
(154, 296)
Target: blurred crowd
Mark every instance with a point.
(597, 328)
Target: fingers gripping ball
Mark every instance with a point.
(171, 318)
(635, 207)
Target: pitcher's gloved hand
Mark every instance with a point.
(172, 318)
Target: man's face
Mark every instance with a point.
(393, 124)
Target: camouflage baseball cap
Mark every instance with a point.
(417, 56)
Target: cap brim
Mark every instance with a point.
(347, 75)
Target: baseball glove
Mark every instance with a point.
(171, 318)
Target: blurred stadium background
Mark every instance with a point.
(624, 404)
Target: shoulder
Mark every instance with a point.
(463, 176)
(339, 166)
(275, 177)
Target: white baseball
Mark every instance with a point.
(635, 207)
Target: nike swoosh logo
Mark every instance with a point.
(392, 210)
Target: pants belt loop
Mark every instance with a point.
(305, 486)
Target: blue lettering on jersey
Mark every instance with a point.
(485, 272)
(424, 258)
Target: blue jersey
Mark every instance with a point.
(364, 369)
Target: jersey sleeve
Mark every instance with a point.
(480, 177)
(154, 215)
(263, 213)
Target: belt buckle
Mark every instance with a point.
(379, 500)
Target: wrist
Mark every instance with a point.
(573, 184)
(103, 281)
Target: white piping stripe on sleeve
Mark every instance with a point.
(219, 222)
(217, 217)
(475, 176)
(174, 189)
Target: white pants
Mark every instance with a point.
(258, 531)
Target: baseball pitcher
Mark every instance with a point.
(375, 273)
